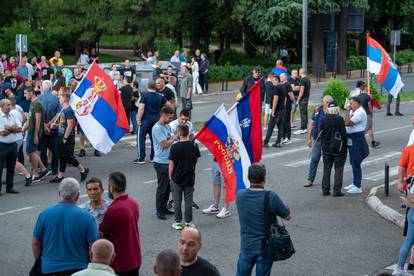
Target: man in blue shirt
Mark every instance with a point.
(250, 207)
(49, 139)
(149, 108)
(161, 135)
(63, 233)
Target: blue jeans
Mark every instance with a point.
(409, 239)
(315, 157)
(246, 262)
(133, 117)
(356, 167)
(144, 130)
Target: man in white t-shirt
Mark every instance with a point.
(355, 122)
(183, 119)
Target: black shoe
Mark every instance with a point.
(195, 206)
(28, 181)
(168, 212)
(389, 114)
(139, 161)
(410, 266)
(338, 194)
(56, 180)
(398, 114)
(44, 173)
(36, 178)
(170, 204)
(12, 191)
(84, 174)
(54, 173)
(97, 153)
(266, 145)
(375, 144)
(326, 193)
(161, 216)
(277, 145)
(82, 153)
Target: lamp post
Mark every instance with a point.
(305, 34)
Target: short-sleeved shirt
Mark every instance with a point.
(317, 117)
(365, 99)
(185, 155)
(153, 103)
(407, 160)
(35, 107)
(186, 82)
(8, 120)
(200, 267)
(268, 92)
(65, 232)
(250, 207)
(161, 133)
(174, 125)
(295, 82)
(50, 104)
(120, 226)
(67, 114)
(359, 118)
(286, 88)
(305, 82)
(23, 71)
(97, 213)
(128, 72)
(168, 94)
(126, 96)
(278, 91)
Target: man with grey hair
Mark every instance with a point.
(313, 139)
(102, 255)
(167, 264)
(63, 233)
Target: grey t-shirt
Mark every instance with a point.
(161, 133)
(97, 213)
(365, 99)
(186, 82)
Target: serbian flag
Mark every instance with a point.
(380, 64)
(279, 69)
(246, 116)
(221, 138)
(99, 110)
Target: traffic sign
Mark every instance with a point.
(395, 37)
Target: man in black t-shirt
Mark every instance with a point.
(366, 103)
(290, 99)
(182, 163)
(303, 100)
(189, 243)
(294, 82)
(128, 70)
(277, 115)
(166, 92)
(126, 96)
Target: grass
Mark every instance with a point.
(404, 96)
(117, 40)
(103, 58)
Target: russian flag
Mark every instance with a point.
(380, 64)
(279, 69)
(221, 138)
(246, 116)
(99, 110)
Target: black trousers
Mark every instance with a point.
(303, 108)
(397, 103)
(8, 156)
(49, 142)
(203, 81)
(66, 151)
(143, 130)
(286, 124)
(279, 121)
(329, 160)
(163, 187)
(178, 191)
(63, 273)
(134, 272)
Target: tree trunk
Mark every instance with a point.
(342, 40)
(318, 49)
(78, 48)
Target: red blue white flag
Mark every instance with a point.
(246, 116)
(99, 110)
(380, 64)
(221, 138)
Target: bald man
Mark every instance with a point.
(167, 264)
(102, 255)
(189, 243)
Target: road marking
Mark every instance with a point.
(379, 175)
(391, 154)
(150, 181)
(275, 154)
(200, 102)
(16, 210)
(297, 163)
(391, 129)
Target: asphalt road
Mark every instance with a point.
(332, 236)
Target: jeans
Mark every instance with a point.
(409, 239)
(143, 130)
(303, 108)
(356, 167)
(49, 142)
(248, 259)
(203, 80)
(315, 157)
(328, 161)
(66, 153)
(178, 191)
(279, 121)
(163, 188)
(133, 117)
(397, 103)
(8, 156)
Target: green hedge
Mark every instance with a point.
(337, 89)
(360, 62)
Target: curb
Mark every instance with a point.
(383, 210)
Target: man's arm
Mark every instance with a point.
(167, 143)
(310, 128)
(170, 168)
(291, 96)
(348, 121)
(301, 92)
(189, 88)
(141, 109)
(275, 100)
(402, 173)
(38, 118)
(36, 248)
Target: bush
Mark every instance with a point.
(356, 62)
(231, 56)
(337, 90)
(232, 72)
(374, 91)
(404, 56)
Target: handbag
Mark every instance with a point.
(188, 104)
(277, 244)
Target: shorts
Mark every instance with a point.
(216, 174)
(30, 145)
(79, 129)
(267, 110)
(369, 122)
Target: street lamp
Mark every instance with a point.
(305, 34)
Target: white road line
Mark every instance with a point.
(379, 175)
(368, 161)
(297, 163)
(391, 129)
(16, 210)
(150, 181)
(276, 154)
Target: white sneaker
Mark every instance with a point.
(264, 128)
(400, 272)
(297, 132)
(224, 213)
(304, 131)
(286, 141)
(211, 210)
(349, 186)
(355, 190)
(177, 226)
(189, 224)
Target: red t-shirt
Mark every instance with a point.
(12, 66)
(407, 160)
(120, 226)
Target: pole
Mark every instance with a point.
(368, 82)
(305, 34)
(387, 180)
(395, 44)
(20, 47)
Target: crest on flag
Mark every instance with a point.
(233, 149)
